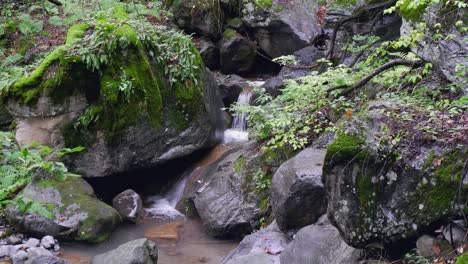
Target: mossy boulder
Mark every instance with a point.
(77, 215)
(385, 183)
(131, 104)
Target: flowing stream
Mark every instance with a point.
(180, 240)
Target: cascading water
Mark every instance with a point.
(240, 119)
(238, 132)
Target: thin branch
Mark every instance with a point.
(386, 66)
(55, 2)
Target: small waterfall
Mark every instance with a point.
(238, 131)
(240, 119)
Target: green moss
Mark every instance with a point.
(239, 165)
(345, 148)
(264, 3)
(440, 191)
(127, 32)
(229, 33)
(75, 33)
(463, 259)
(35, 77)
(234, 22)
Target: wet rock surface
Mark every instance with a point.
(129, 205)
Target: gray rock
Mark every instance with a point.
(77, 215)
(264, 246)
(141, 251)
(283, 28)
(129, 205)
(316, 244)
(206, 20)
(305, 57)
(209, 53)
(374, 198)
(56, 248)
(15, 239)
(237, 53)
(37, 252)
(298, 197)
(32, 242)
(48, 242)
(225, 200)
(20, 257)
(230, 86)
(7, 251)
(46, 260)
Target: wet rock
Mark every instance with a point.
(274, 85)
(264, 246)
(48, 242)
(129, 205)
(282, 28)
(298, 197)
(77, 215)
(226, 201)
(230, 86)
(206, 19)
(372, 196)
(209, 53)
(237, 53)
(319, 244)
(456, 232)
(161, 210)
(141, 251)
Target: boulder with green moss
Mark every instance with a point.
(387, 177)
(77, 214)
(134, 103)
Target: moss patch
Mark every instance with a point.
(345, 148)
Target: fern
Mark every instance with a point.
(10, 60)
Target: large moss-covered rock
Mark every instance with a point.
(76, 213)
(134, 105)
(387, 178)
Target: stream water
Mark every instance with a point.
(180, 240)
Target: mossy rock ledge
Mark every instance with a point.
(379, 194)
(64, 103)
(77, 215)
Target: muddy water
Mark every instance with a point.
(179, 241)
